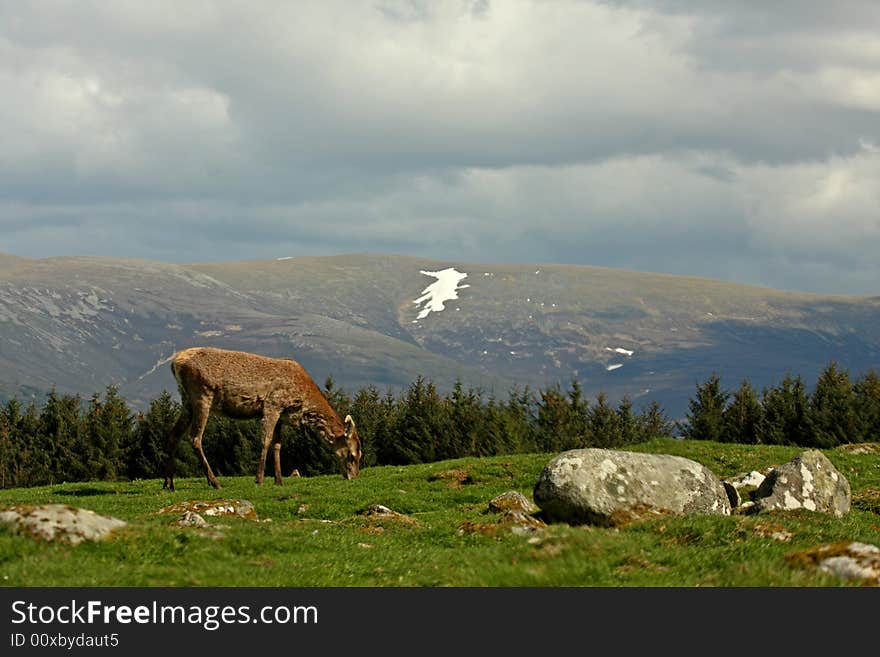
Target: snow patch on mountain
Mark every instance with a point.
(445, 288)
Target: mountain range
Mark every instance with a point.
(79, 324)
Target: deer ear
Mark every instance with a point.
(349, 425)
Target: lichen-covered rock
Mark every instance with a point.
(228, 508)
(597, 485)
(51, 522)
(809, 481)
(512, 500)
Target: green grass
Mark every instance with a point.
(316, 537)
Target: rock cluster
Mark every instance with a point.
(606, 487)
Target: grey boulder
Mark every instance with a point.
(596, 486)
(809, 481)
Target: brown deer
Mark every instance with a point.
(238, 384)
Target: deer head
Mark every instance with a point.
(348, 450)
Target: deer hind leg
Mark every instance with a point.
(171, 447)
(196, 429)
(276, 446)
(267, 425)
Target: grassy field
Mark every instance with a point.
(310, 532)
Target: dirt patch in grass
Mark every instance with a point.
(773, 530)
(867, 500)
(453, 478)
(636, 562)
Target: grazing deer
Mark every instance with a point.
(237, 384)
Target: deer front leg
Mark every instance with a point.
(196, 430)
(278, 479)
(267, 426)
(276, 445)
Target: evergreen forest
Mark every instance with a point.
(65, 438)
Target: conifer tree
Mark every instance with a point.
(705, 421)
(385, 432)
(604, 423)
(422, 425)
(30, 456)
(743, 417)
(551, 420)
(109, 423)
(833, 412)
(56, 456)
(508, 425)
(653, 422)
(8, 453)
(627, 427)
(579, 420)
(145, 454)
(867, 393)
(465, 410)
(786, 417)
(368, 413)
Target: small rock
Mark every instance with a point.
(377, 510)
(521, 523)
(746, 479)
(191, 519)
(51, 522)
(511, 501)
(380, 512)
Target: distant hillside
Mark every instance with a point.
(82, 323)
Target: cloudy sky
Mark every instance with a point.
(735, 140)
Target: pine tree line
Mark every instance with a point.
(838, 410)
(68, 439)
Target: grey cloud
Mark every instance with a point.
(688, 137)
